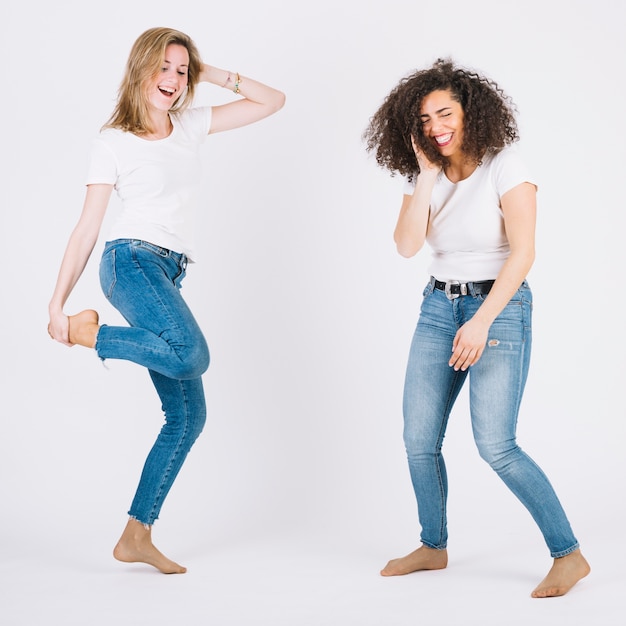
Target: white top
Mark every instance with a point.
(466, 224)
(157, 181)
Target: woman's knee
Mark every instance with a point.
(498, 453)
(418, 446)
(191, 362)
(197, 423)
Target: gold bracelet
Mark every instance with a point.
(237, 83)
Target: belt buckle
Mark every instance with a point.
(448, 289)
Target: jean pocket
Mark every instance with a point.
(108, 277)
(158, 250)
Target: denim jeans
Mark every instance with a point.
(497, 383)
(142, 281)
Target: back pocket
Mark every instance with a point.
(108, 277)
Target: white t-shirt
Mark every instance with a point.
(466, 225)
(157, 181)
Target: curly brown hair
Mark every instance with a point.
(488, 124)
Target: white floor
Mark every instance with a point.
(296, 578)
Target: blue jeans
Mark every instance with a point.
(496, 386)
(142, 281)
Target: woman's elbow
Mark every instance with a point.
(279, 101)
(407, 249)
(407, 245)
(524, 258)
(529, 254)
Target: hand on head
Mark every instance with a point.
(423, 163)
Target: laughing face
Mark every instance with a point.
(442, 122)
(169, 84)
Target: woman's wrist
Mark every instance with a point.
(233, 80)
(55, 309)
(222, 78)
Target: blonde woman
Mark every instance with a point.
(148, 152)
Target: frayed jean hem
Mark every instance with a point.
(562, 553)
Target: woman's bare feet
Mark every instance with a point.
(135, 546)
(421, 559)
(83, 328)
(564, 574)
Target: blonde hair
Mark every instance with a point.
(144, 63)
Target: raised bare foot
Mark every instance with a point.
(135, 546)
(83, 328)
(564, 574)
(421, 559)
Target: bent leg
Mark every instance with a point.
(145, 288)
(496, 385)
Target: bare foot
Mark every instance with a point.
(564, 574)
(135, 546)
(83, 328)
(421, 559)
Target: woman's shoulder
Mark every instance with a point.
(508, 153)
(192, 111)
(507, 158)
(111, 136)
(196, 119)
(509, 164)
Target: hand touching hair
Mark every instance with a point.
(489, 118)
(144, 62)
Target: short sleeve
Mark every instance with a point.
(205, 116)
(510, 170)
(102, 164)
(195, 122)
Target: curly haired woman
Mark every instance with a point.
(148, 152)
(450, 132)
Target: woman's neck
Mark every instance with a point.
(459, 168)
(161, 125)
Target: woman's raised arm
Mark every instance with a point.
(257, 100)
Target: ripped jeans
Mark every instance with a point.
(142, 281)
(496, 386)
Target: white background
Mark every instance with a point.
(297, 492)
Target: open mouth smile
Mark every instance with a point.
(443, 140)
(167, 91)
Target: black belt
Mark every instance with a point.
(454, 288)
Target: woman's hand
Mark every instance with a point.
(215, 75)
(59, 328)
(519, 208)
(412, 225)
(469, 344)
(423, 163)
